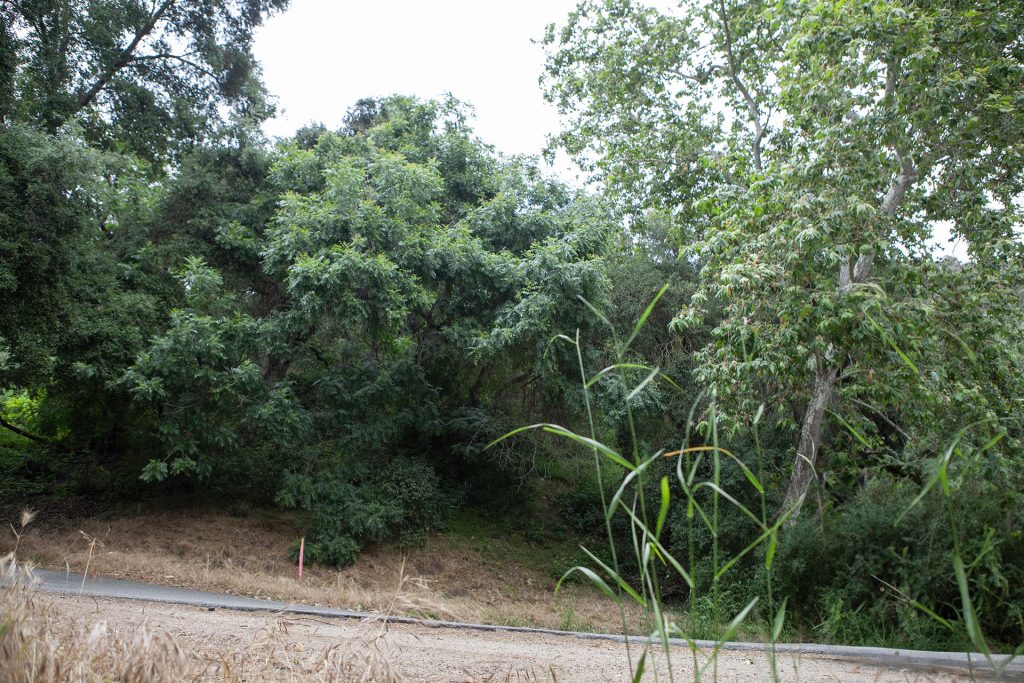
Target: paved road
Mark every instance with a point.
(65, 582)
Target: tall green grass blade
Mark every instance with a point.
(569, 434)
(780, 619)
(622, 583)
(730, 630)
(632, 366)
(663, 512)
(773, 529)
(943, 465)
(963, 345)
(914, 603)
(598, 314)
(747, 472)
(594, 578)
(773, 544)
(514, 432)
(640, 387)
(850, 428)
(970, 616)
(993, 441)
(724, 494)
(640, 668)
(892, 342)
(931, 613)
(673, 562)
(646, 314)
(636, 472)
(612, 368)
(590, 443)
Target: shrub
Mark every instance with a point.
(354, 504)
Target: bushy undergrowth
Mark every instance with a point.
(855, 577)
(356, 503)
(850, 573)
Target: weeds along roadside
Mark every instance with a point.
(704, 499)
(41, 644)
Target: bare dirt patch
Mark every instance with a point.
(271, 647)
(451, 577)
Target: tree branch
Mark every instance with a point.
(86, 97)
(167, 55)
(897, 192)
(702, 75)
(755, 114)
(21, 432)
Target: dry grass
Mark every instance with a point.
(449, 578)
(39, 644)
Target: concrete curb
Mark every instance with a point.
(956, 662)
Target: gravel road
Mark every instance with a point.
(216, 625)
(423, 653)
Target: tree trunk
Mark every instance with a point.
(850, 274)
(806, 462)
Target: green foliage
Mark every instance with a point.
(342, 322)
(852, 137)
(356, 503)
(148, 78)
(872, 560)
(405, 282)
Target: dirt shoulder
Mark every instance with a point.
(286, 648)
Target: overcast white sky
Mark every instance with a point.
(320, 56)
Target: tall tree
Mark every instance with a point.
(379, 329)
(816, 151)
(147, 76)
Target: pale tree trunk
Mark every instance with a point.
(806, 466)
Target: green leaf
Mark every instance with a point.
(155, 470)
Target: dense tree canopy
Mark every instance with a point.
(148, 77)
(815, 151)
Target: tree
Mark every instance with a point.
(362, 342)
(149, 77)
(816, 150)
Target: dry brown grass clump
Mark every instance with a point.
(40, 644)
(38, 647)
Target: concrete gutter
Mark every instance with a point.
(98, 586)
